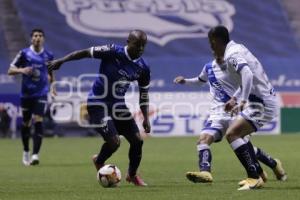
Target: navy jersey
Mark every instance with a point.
(36, 84)
(116, 72)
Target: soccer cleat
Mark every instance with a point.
(242, 182)
(136, 180)
(279, 171)
(34, 160)
(251, 183)
(94, 159)
(26, 158)
(199, 177)
(263, 175)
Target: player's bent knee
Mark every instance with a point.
(231, 134)
(205, 139)
(138, 137)
(136, 143)
(135, 139)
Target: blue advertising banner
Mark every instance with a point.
(177, 33)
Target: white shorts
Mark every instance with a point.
(216, 127)
(260, 113)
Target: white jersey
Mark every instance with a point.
(223, 85)
(224, 82)
(236, 57)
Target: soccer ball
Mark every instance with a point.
(109, 176)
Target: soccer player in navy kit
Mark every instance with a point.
(106, 105)
(31, 63)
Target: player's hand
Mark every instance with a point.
(54, 65)
(147, 126)
(238, 108)
(234, 111)
(53, 92)
(229, 105)
(27, 71)
(242, 105)
(179, 80)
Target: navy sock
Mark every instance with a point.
(37, 137)
(265, 158)
(252, 152)
(25, 134)
(135, 156)
(205, 157)
(246, 158)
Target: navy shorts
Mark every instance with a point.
(33, 105)
(110, 120)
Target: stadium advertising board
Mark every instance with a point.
(177, 32)
(172, 113)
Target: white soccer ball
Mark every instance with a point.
(109, 175)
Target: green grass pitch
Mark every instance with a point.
(66, 171)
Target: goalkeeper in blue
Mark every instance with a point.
(223, 89)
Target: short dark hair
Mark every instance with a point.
(39, 30)
(220, 32)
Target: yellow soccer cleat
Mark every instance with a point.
(199, 177)
(279, 171)
(251, 183)
(263, 175)
(242, 182)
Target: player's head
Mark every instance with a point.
(37, 37)
(136, 43)
(218, 39)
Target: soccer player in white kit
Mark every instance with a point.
(258, 103)
(224, 88)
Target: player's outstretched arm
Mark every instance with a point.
(188, 81)
(75, 55)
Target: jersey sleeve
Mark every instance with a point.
(203, 75)
(19, 60)
(144, 79)
(237, 62)
(101, 52)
